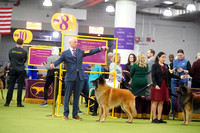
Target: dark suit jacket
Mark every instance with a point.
(157, 75)
(72, 66)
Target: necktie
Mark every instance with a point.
(74, 54)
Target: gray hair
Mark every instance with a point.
(55, 51)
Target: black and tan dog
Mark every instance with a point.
(189, 102)
(108, 97)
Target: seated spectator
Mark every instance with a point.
(118, 67)
(39, 75)
(110, 81)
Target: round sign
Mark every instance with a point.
(26, 35)
(63, 22)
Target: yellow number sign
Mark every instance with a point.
(63, 22)
(26, 35)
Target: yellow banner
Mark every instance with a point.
(63, 22)
(26, 35)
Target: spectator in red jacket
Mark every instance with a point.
(196, 72)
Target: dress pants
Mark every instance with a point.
(85, 90)
(48, 82)
(18, 76)
(77, 86)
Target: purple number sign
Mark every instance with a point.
(23, 35)
(64, 22)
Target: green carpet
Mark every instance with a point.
(32, 119)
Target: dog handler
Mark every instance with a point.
(75, 77)
(160, 91)
(17, 57)
(50, 74)
(181, 67)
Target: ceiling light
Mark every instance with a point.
(191, 7)
(106, 0)
(47, 3)
(55, 34)
(168, 2)
(167, 13)
(110, 8)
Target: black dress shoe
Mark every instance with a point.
(161, 121)
(6, 104)
(155, 120)
(20, 105)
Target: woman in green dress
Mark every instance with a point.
(138, 74)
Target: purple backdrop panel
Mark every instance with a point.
(38, 55)
(35, 89)
(86, 45)
(125, 38)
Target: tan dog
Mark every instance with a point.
(108, 97)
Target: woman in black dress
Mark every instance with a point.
(160, 92)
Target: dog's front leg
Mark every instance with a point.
(188, 114)
(184, 115)
(105, 112)
(100, 112)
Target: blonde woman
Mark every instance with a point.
(138, 74)
(118, 69)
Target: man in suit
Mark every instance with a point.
(74, 78)
(150, 62)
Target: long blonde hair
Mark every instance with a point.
(113, 59)
(141, 60)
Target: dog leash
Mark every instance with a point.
(143, 89)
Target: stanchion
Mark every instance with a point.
(54, 95)
(88, 111)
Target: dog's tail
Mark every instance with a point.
(134, 110)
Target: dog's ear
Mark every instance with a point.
(184, 88)
(180, 91)
(101, 80)
(181, 84)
